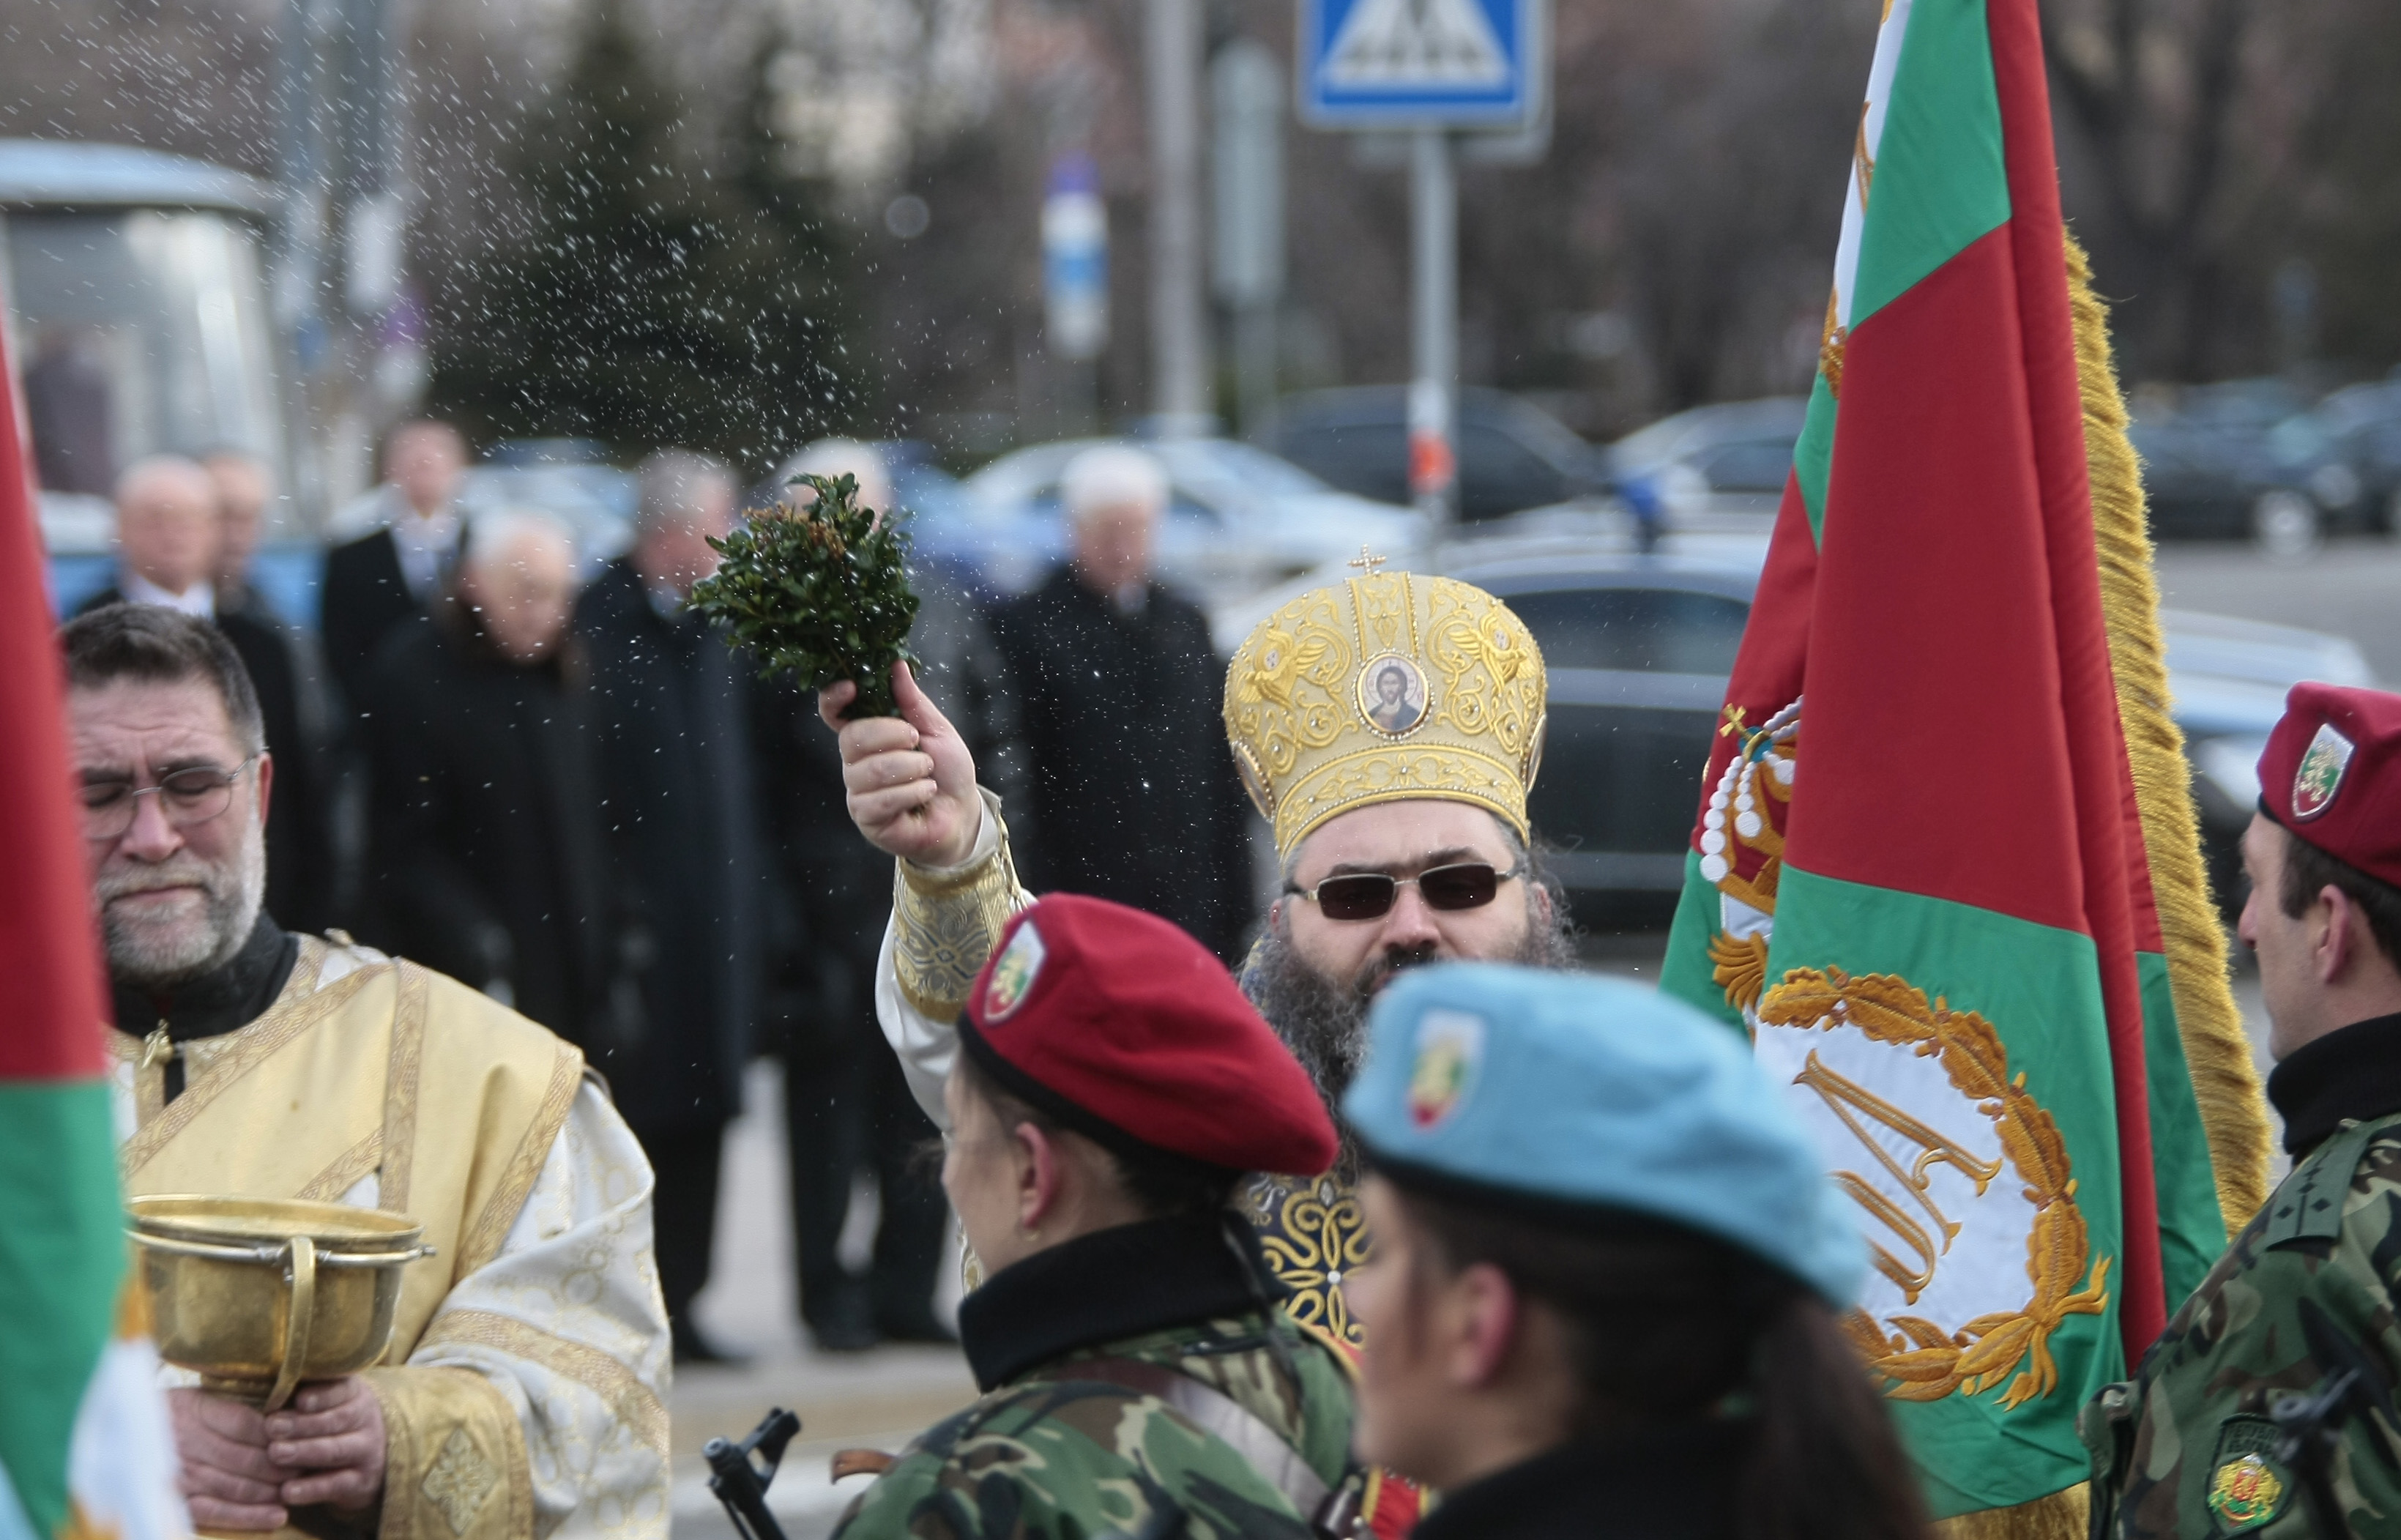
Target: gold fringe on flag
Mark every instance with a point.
(2225, 1082)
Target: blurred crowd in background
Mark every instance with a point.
(538, 774)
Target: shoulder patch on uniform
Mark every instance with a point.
(2247, 1484)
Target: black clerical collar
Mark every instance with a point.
(230, 995)
(1684, 1480)
(2351, 1073)
(1105, 1287)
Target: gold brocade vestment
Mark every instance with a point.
(387, 1084)
(1312, 1233)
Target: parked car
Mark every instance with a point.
(1239, 520)
(1639, 650)
(2242, 459)
(2362, 424)
(1710, 463)
(1512, 455)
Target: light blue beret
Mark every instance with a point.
(1583, 1093)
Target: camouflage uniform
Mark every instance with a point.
(2189, 1448)
(1046, 1453)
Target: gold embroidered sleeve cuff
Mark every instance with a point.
(945, 922)
(455, 1458)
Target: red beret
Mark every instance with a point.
(2332, 774)
(1128, 1031)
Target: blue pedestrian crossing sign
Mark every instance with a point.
(1423, 63)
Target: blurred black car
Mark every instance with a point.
(1639, 650)
(2361, 425)
(2242, 459)
(1512, 456)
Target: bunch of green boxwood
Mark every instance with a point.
(820, 593)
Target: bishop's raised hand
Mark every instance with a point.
(910, 781)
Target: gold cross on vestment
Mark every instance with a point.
(1732, 724)
(1367, 561)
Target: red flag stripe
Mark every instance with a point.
(2096, 742)
(50, 1029)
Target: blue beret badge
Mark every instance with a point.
(1450, 1046)
(1013, 975)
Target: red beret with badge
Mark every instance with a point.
(2331, 775)
(1130, 1032)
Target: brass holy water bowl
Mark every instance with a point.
(256, 1295)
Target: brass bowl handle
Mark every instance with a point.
(295, 1326)
(240, 1252)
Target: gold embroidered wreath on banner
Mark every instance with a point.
(1923, 1362)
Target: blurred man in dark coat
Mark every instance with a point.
(485, 850)
(669, 718)
(310, 881)
(1133, 785)
(391, 575)
(847, 1110)
(169, 543)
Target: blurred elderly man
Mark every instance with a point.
(244, 487)
(171, 545)
(521, 1394)
(484, 849)
(392, 575)
(1134, 787)
(847, 1109)
(669, 704)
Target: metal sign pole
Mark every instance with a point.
(1182, 399)
(1433, 392)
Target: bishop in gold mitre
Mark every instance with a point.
(1389, 727)
(521, 1394)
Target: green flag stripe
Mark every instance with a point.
(2040, 988)
(1940, 179)
(1813, 457)
(62, 1259)
(1686, 971)
(2193, 1228)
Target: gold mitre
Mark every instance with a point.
(1383, 687)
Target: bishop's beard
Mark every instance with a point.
(1324, 1021)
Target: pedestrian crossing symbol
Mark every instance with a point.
(1416, 42)
(1403, 64)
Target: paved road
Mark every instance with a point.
(2353, 587)
(879, 1399)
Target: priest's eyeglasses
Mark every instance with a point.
(194, 794)
(1370, 894)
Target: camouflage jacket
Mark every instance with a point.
(1044, 1453)
(2190, 1447)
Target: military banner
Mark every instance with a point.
(85, 1449)
(1917, 876)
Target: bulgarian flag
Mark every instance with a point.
(1922, 876)
(85, 1446)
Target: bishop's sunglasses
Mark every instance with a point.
(1370, 894)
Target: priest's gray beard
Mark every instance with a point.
(1324, 1021)
(169, 951)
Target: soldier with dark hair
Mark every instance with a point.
(2268, 1405)
(1112, 1087)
